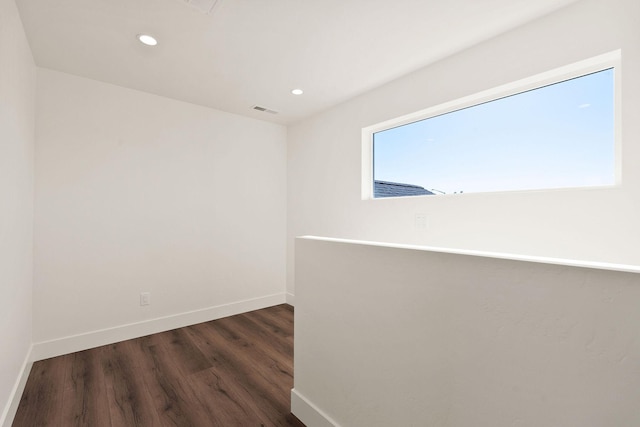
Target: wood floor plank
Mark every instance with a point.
(85, 394)
(225, 400)
(189, 358)
(129, 401)
(227, 361)
(274, 359)
(43, 394)
(230, 372)
(280, 323)
(231, 353)
(164, 377)
(254, 329)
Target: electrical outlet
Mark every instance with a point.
(421, 221)
(145, 298)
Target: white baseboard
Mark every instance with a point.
(11, 407)
(291, 299)
(308, 413)
(70, 344)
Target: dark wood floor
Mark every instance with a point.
(236, 371)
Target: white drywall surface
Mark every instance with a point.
(393, 336)
(17, 115)
(325, 152)
(139, 193)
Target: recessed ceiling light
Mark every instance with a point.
(297, 92)
(147, 39)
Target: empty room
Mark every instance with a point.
(337, 213)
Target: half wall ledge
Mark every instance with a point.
(409, 335)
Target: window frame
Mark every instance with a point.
(598, 63)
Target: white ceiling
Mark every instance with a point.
(248, 52)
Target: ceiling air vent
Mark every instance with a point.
(266, 110)
(204, 6)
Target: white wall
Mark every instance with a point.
(413, 337)
(17, 113)
(324, 154)
(139, 193)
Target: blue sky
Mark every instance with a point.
(561, 135)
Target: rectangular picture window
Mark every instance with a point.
(560, 135)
